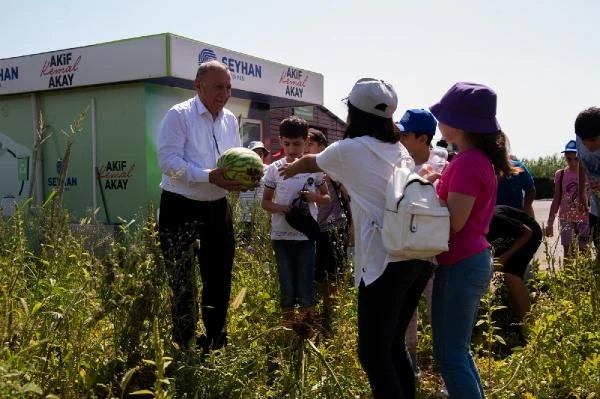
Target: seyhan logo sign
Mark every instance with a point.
(206, 55)
(240, 69)
(9, 73)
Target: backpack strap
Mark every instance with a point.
(560, 181)
(403, 161)
(344, 202)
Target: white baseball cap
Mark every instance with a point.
(374, 96)
(257, 145)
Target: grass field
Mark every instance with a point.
(85, 314)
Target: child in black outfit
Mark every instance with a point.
(515, 237)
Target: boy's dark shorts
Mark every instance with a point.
(331, 253)
(517, 264)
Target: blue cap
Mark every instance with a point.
(418, 121)
(570, 147)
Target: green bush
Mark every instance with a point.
(542, 170)
(87, 316)
(544, 167)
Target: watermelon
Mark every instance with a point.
(243, 165)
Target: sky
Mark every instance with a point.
(539, 56)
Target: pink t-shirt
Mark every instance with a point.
(569, 210)
(470, 173)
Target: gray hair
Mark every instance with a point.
(207, 66)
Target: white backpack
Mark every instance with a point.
(415, 224)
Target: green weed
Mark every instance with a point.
(85, 313)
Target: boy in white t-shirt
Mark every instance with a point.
(294, 251)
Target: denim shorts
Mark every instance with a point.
(296, 267)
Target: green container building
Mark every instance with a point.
(126, 87)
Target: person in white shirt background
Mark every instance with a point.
(388, 288)
(250, 199)
(195, 216)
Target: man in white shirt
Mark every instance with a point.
(195, 217)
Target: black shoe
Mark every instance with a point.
(326, 323)
(220, 341)
(304, 328)
(177, 362)
(203, 345)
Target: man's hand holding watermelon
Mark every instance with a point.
(217, 177)
(238, 169)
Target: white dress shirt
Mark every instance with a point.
(189, 143)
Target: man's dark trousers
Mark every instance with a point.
(203, 230)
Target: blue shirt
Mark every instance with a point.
(591, 163)
(510, 190)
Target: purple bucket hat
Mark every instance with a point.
(468, 106)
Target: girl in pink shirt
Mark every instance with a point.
(467, 118)
(572, 217)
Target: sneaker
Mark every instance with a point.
(444, 391)
(415, 365)
(220, 341)
(203, 345)
(178, 361)
(288, 319)
(303, 329)
(305, 326)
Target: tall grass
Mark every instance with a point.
(562, 355)
(544, 167)
(85, 313)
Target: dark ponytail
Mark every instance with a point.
(495, 147)
(361, 123)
